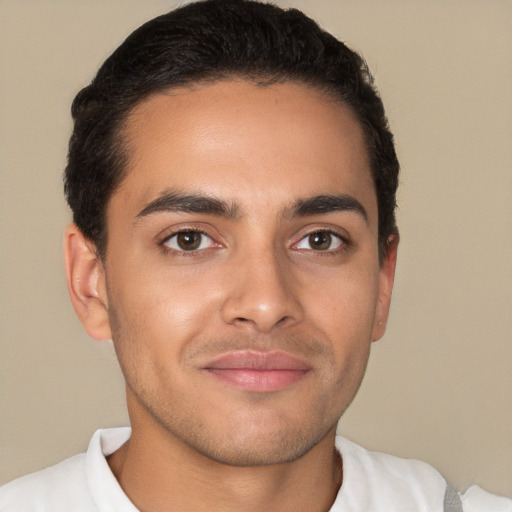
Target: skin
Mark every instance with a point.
(257, 283)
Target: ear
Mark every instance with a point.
(386, 279)
(85, 277)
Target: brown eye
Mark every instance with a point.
(320, 241)
(188, 241)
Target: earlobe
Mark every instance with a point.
(85, 278)
(386, 279)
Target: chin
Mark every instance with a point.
(259, 446)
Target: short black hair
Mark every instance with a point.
(208, 41)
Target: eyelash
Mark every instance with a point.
(183, 252)
(343, 241)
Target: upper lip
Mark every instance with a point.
(255, 360)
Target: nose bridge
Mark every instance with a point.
(261, 292)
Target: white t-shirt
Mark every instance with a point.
(372, 482)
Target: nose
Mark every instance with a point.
(262, 293)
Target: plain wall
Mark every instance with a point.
(439, 385)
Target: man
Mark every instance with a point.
(232, 180)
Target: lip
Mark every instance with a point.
(258, 371)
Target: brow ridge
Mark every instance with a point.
(190, 203)
(196, 203)
(326, 203)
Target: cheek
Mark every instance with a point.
(161, 308)
(345, 315)
(343, 304)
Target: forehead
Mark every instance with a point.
(259, 146)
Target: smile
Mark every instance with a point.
(258, 371)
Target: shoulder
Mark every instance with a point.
(77, 484)
(476, 499)
(58, 488)
(380, 482)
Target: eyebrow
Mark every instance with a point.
(322, 204)
(190, 203)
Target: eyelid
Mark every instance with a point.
(335, 232)
(167, 241)
(164, 236)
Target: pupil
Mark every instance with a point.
(189, 240)
(320, 241)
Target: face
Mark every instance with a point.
(243, 286)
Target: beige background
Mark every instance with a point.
(439, 386)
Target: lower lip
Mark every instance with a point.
(258, 380)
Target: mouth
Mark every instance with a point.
(262, 372)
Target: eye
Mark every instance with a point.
(320, 241)
(188, 241)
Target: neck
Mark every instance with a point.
(159, 473)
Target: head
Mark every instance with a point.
(232, 180)
(205, 42)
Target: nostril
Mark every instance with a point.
(261, 324)
(283, 320)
